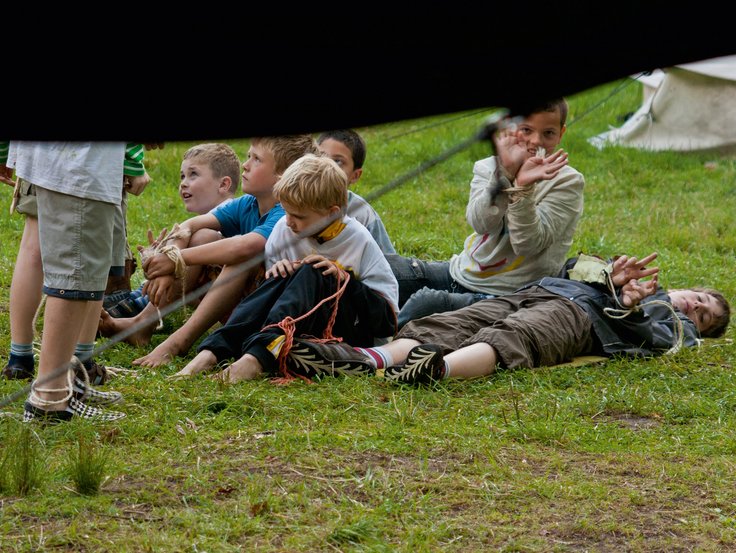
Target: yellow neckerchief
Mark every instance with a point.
(330, 231)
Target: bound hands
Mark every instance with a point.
(521, 160)
(155, 264)
(158, 269)
(626, 273)
(159, 289)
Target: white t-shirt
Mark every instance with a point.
(353, 249)
(92, 170)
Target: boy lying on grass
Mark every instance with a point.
(605, 310)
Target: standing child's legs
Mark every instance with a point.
(86, 344)
(75, 236)
(25, 298)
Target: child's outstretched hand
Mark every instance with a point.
(149, 251)
(538, 168)
(626, 268)
(512, 150)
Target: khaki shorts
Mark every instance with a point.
(120, 248)
(76, 237)
(26, 198)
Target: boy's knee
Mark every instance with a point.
(204, 236)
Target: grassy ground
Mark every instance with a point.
(623, 456)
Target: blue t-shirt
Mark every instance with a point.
(241, 216)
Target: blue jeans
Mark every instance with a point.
(426, 287)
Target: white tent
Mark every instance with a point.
(685, 108)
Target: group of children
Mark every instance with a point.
(305, 280)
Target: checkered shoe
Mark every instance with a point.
(75, 409)
(75, 390)
(424, 364)
(327, 359)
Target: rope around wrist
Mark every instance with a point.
(593, 269)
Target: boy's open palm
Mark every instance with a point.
(511, 149)
(538, 168)
(626, 268)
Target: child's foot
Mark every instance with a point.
(245, 368)
(204, 361)
(110, 326)
(161, 354)
(19, 367)
(424, 364)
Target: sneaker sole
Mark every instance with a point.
(307, 360)
(422, 365)
(75, 408)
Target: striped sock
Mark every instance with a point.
(378, 356)
(83, 352)
(21, 350)
(446, 372)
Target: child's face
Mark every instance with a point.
(259, 172)
(341, 155)
(199, 189)
(299, 219)
(699, 307)
(541, 129)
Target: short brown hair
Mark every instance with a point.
(719, 324)
(287, 149)
(555, 104)
(221, 159)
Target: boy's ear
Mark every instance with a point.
(225, 184)
(562, 131)
(357, 173)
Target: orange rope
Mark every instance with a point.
(288, 326)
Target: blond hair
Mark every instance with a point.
(313, 182)
(286, 149)
(220, 158)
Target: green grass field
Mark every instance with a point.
(622, 456)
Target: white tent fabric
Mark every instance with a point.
(687, 107)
